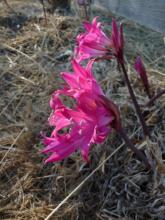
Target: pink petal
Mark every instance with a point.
(115, 35)
(57, 156)
(89, 68)
(85, 147)
(48, 140)
(85, 151)
(87, 26)
(55, 102)
(70, 79)
(78, 68)
(53, 146)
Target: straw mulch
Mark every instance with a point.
(118, 186)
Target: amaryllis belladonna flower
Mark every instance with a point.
(92, 43)
(139, 67)
(95, 43)
(88, 122)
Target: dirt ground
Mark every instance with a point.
(114, 185)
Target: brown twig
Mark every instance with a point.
(7, 4)
(44, 10)
(151, 101)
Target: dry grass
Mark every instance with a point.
(110, 187)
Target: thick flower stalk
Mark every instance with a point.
(117, 42)
(88, 122)
(140, 68)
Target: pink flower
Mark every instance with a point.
(88, 122)
(95, 43)
(139, 67)
(92, 43)
(117, 40)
